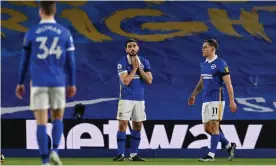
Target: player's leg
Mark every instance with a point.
(215, 137)
(138, 116)
(121, 139)
(125, 108)
(41, 117)
(224, 142)
(57, 104)
(209, 127)
(57, 130)
(212, 113)
(39, 103)
(230, 147)
(135, 140)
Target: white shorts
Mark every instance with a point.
(131, 110)
(47, 97)
(212, 111)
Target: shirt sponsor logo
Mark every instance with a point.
(207, 76)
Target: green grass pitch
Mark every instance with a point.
(151, 161)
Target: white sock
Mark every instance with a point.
(228, 146)
(133, 154)
(211, 154)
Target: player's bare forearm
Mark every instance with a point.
(230, 92)
(198, 88)
(127, 78)
(146, 76)
(229, 87)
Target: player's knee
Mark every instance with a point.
(207, 128)
(41, 117)
(214, 128)
(56, 117)
(137, 125)
(122, 128)
(123, 125)
(57, 114)
(214, 132)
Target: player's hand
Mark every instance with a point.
(20, 90)
(233, 106)
(71, 91)
(191, 100)
(135, 63)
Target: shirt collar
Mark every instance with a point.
(211, 60)
(47, 21)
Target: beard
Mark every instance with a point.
(133, 53)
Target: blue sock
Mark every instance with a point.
(121, 142)
(214, 143)
(223, 140)
(56, 133)
(135, 140)
(42, 139)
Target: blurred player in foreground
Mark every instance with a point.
(48, 51)
(134, 72)
(214, 74)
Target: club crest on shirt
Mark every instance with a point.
(142, 66)
(119, 66)
(213, 66)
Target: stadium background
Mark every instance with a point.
(170, 36)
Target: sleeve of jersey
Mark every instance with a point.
(71, 64)
(27, 42)
(70, 44)
(24, 60)
(147, 66)
(121, 68)
(71, 68)
(223, 68)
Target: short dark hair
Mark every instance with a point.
(131, 40)
(212, 42)
(49, 7)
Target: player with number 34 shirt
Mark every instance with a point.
(48, 54)
(48, 42)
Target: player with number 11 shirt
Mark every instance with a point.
(214, 77)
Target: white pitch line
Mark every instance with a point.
(6, 110)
